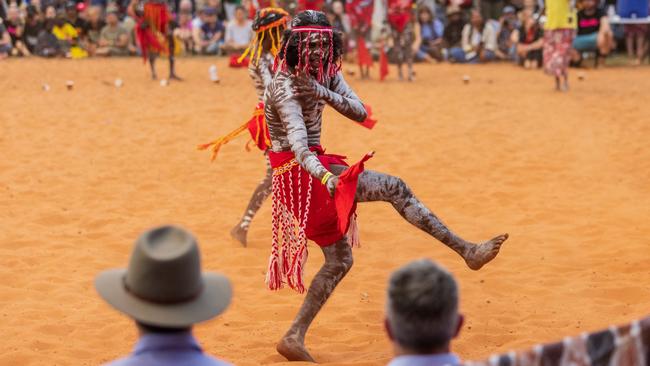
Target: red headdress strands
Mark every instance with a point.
(271, 22)
(304, 33)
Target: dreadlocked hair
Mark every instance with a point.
(290, 51)
(269, 24)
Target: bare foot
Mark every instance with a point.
(481, 254)
(175, 77)
(293, 350)
(239, 234)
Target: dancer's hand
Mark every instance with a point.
(305, 87)
(331, 184)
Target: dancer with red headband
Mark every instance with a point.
(400, 18)
(315, 193)
(268, 25)
(154, 33)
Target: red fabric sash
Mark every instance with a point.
(399, 20)
(365, 59)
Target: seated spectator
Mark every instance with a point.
(16, 28)
(68, 37)
(95, 26)
(479, 40)
(114, 38)
(5, 41)
(422, 315)
(211, 33)
(238, 32)
(506, 43)
(453, 35)
(33, 27)
(72, 17)
(530, 43)
(594, 32)
(50, 12)
(165, 293)
(184, 31)
(431, 31)
(48, 45)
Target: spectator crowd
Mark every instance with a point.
(458, 31)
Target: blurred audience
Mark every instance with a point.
(458, 31)
(530, 42)
(431, 32)
(453, 35)
(15, 26)
(5, 41)
(211, 34)
(95, 26)
(114, 38)
(422, 315)
(479, 40)
(594, 33)
(506, 40)
(238, 32)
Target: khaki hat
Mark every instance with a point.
(163, 285)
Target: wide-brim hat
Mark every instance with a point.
(163, 285)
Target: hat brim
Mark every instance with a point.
(213, 300)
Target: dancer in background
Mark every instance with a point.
(360, 14)
(268, 25)
(154, 33)
(403, 32)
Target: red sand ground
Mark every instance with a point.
(83, 172)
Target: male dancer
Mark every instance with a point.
(401, 24)
(154, 33)
(309, 200)
(268, 25)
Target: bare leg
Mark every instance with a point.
(338, 261)
(172, 60)
(152, 65)
(240, 231)
(374, 186)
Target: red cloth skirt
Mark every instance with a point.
(152, 28)
(303, 209)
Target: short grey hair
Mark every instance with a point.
(422, 306)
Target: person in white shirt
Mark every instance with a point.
(479, 39)
(238, 32)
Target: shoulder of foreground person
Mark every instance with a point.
(161, 360)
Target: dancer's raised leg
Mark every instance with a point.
(375, 186)
(338, 261)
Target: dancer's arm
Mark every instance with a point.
(264, 71)
(290, 112)
(339, 96)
